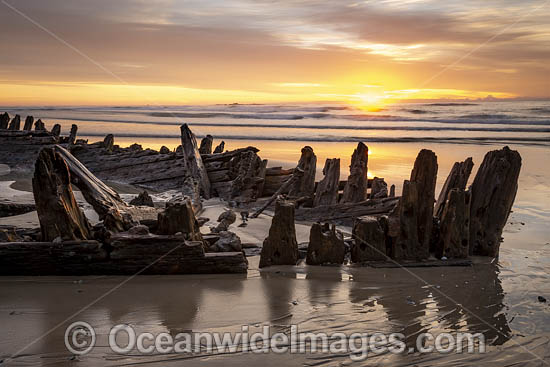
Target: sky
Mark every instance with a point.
(135, 52)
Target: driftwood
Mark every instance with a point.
(280, 247)
(326, 245)
(28, 123)
(346, 213)
(58, 212)
(355, 190)
(493, 192)
(424, 174)
(305, 185)
(206, 145)
(4, 121)
(105, 201)
(193, 162)
(457, 179)
(454, 228)
(369, 241)
(327, 189)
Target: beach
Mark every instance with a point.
(498, 299)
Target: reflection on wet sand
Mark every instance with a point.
(317, 299)
(453, 300)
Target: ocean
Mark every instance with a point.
(445, 122)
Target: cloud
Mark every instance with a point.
(295, 44)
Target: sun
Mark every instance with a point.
(370, 102)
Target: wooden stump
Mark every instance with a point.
(143, 199)
(369, 240)
(72, 135)
(28, 123)
(379, 189)
(206, 145)
(327, 188)
(454, 228)
(58, 212)
(405, 244)
(219, 148)
(56, 130)
(109, 142)
(39, 125)
(424, 174)
(355, 190)
(326, 245)
(305, 185)
(179, 217)
(15, 123)
(280, 247)
(245, 171)
(193, 161)
(4, 121)
(493, 192)
(457, 179)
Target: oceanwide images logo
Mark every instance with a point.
(80, 339)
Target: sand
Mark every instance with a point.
(499, 299)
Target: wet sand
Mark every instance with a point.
(499, 299)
